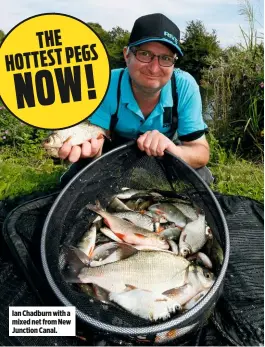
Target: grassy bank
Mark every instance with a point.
(21, 174)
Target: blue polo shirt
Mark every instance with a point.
(131, 121)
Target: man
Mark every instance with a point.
(141, 100)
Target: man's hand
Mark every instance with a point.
(154, 143)
(88, 149)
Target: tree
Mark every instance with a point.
(2, 35)
(198, 44)
(114, 41)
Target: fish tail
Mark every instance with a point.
(75, 260)
(96, 208)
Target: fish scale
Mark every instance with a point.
(147, 270)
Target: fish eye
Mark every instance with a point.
(207, 274)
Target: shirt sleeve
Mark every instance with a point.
(191, 125)
(102, 116)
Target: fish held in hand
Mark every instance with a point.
(77, 134)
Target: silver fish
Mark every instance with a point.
(88, 241)
(171, 233)
(118, 206)
(140, 270)
(128, 232)
(194, 301)
(134, 193)
(170, 212)
(146, 304)
(111, 254)
(137, 218)
(174, 246)
(194, 236)
(198, 280)
(189, 211)
(201, 258)
(77, 135)
(154, 305)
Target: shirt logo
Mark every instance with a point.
(172, 37)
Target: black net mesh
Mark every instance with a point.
(238, 317)
(68, 219)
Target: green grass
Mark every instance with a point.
(22, 174)
(239, 177)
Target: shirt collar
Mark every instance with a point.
(127, 96)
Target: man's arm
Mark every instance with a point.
(196, 153)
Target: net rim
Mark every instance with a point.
(178, 322)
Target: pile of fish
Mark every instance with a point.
(143, 253)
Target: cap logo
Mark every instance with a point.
(172, 37)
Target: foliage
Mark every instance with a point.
(114, 40)
(2, 35)
(233, 175)
(196, 45)
(23, 174)
(235, 84)
(22, 137)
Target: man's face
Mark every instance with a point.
(149, 76)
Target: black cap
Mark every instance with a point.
(155, 27)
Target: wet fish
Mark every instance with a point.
(77, 134)
(137, 218)
(118, 206)
(110, 234)
(194, 236)
(110, 253)
(128, 232)
(171, 233)
(145, 304)
(188, 210)
(154, 305)
(134, 193)
(194, 301)
(174, 247)
(201, 259)
(170, 212)
(88, 241)
(198, 280)
(156, 271)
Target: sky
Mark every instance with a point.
(221, 15)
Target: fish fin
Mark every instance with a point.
(140, 235)
(159, 230)
(119, 235)
(101, 293)
(75, 261)
(130, 287)
(175, 292)
(127, 250)
(68, 139)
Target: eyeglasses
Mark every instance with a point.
(147, 57)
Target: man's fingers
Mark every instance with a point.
(65, 150)
(141, 139)
(75, 154)
(86, 150)
(96, 145)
